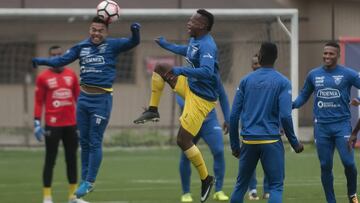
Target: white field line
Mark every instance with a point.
(175, 184)
(229, 181)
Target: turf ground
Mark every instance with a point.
(150, 175)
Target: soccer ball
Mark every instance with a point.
(108, 10)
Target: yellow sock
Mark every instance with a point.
(72, 189)
(194, 155)
(47, 192)
(157, 86)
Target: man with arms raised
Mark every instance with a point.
(196, 83)
(97, 57)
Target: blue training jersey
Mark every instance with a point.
(331, 90)
(224, 103)
(201, 54)
(97, 62)
(262, 97)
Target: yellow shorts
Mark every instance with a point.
(196, 108)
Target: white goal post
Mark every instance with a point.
(291, 15)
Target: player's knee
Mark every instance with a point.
(94, 148)
(184, 139)
(180, 141)
(50, 164)
(71, 160)
(183, 143)
(326, 166)
(218, 153)
(349, 165)
(162, 68)
(83, 143)
(219, 157)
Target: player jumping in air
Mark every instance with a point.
(97, 58)
(197, 84)
(211, 133)
(331, 84)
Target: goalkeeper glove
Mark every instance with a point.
(34, 62)
(38, 130)
(135, 27)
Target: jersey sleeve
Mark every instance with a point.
(235, 117)
(285, 114)
(76, 87)
(40, 95)
(125, 44)
(207, 64)
(305, 93)
(174, 48)
(59, 61)
(224, 103)
(355, 78)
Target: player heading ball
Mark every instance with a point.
(97, 58)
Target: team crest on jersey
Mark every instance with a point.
(85, 51)
(52, 82)
(337, 79)
(68, 80)
(102, 48)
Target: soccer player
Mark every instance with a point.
(262, 97)
(57, 89)
(211, 133)
(97, 58)
(331, 84)
(253, 182)
(197, 84)
(353, 137)
(255, 62)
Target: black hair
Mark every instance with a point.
(268, 54)
(97, 19)
(209, 16)
(54, 47)
(333, 44)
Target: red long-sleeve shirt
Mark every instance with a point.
(58, 92)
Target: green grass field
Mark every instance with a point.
(150, 175)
